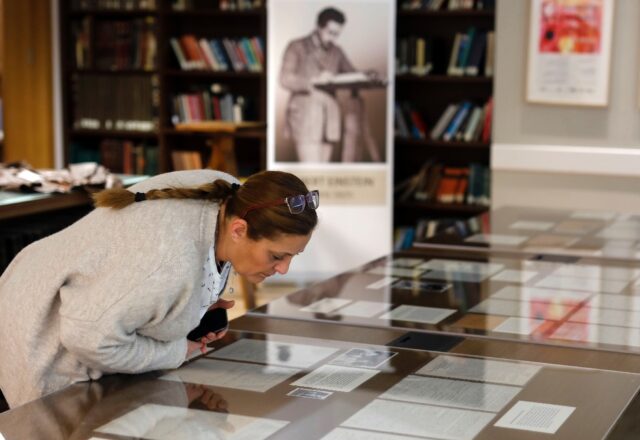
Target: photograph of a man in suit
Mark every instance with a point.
(321, 128)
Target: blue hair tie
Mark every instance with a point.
(140, 197)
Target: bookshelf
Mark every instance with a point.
(425, 88)
(125, 91)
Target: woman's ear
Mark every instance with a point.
(238, 228)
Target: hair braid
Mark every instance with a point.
(118, 198)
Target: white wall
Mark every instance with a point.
(563, 156)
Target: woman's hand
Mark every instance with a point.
(222, 304)
(210, 337)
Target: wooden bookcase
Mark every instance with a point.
(201, 18)
(429, 95)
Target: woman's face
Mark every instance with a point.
(259, 259)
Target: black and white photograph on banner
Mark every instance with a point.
(332, 63)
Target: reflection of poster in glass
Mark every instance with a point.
(569, 51)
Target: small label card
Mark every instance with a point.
(310, 394)
(535, 416)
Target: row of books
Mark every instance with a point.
(186, 160)
(472, 53)
(440, 183)
(452, 5)
(103, 102)
(224, 5)
(118, 45)
(408, 123)
(460, 122)
(427, 228)
(119, 156)
(464, 122)
(224, 54)
(207, 106)
(126, 5)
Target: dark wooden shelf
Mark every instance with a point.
(114, 71)
(427, 143)
(114, 13)
(454, 208)
(483, 80)
(114, 133)
(255, 133)
(259, 12)
(212, 74)
(445, 13)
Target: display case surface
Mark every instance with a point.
(259, 386)
(588, 304)
(600, 234)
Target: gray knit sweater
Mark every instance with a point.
(116, 292)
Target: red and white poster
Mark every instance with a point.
(569, 52)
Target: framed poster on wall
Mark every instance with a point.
(569, 52)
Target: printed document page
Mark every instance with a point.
(237, 375)
(455, 393)
(485, 370)
(335, 378)
(419, 420)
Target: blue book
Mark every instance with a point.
(216, 48)
(460, 116)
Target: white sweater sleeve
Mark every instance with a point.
(113, 340)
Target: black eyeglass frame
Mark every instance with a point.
(296, 204)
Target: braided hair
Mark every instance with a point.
(260, 188)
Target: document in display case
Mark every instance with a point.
(586, 304)
(571, 233)
(259, 386)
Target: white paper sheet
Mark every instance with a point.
(531, 294)
(586, 284)
(518, 326)
(354, 434)
(390, 271)
(365, 309)
(453, 393)
(336, 378)
(419, 420)
(593, 215)
(160, 422)
(427, 315)
(484, 370)
(514, 276)
(498, 239)
(325, 305)
(363, 358)
(274, 353)
(600, 334)
(383, 282)
(474, 267)
(620, 318)
(531, 225)
(237, 375)
(615, 273)
(405, 262)
(535, 416)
